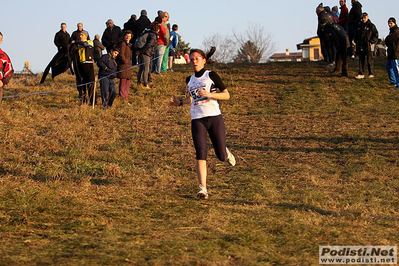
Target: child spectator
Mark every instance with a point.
(106, 74)
(174, 39)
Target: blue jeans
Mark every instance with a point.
(160, 50)
(108, 91)
(392, 67)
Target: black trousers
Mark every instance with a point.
(362, 61)
(214, 126)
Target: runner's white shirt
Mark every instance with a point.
(202, 107)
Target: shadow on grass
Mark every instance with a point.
(304, 207)
(334, 141)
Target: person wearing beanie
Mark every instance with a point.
(392, 43)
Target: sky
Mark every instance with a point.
(29, 27)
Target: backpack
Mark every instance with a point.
(142, 40)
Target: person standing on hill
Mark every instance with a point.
(6, 69)
(106, 75)
(124, 64)
(160, 49)
(343, 16)
(340, 40)
(392, 43)
(140, 25)
(84, 69)
(76, 34)
(366, 38)
(146, 53)
(174, 40)
(354, 18)
(164, 66)
(62, 38)
(206, 117)
(98, 48)
(327, 49)
(112, 35)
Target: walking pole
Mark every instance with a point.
(94, 93)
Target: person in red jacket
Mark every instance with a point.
(6, 69)
(344, 15)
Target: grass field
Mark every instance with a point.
(317, 164)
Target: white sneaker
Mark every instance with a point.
(230, 158)
(203, 193)
(371, 76)
(359, 77)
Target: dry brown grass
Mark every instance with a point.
(317, 164)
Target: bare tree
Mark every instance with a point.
(257, 36)
(225, 47)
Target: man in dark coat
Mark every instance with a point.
(340, 40)
(141, 24)
(76, 34)
(326, 45)
(62, 38)
(354, 18)
(366, 38)
(112, 35)
(392, 43)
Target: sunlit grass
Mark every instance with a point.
(317, 163)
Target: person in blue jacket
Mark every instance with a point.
(174, 40)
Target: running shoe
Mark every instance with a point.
(203, 193)
(230, 158)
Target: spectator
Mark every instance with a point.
(140, 25)
(6, 69)
(76, 34)
(344, 15)
(164, 66)
(340, 40)
(161, 46)
(112, 35)
(130, 24)
(354, 18)
(124, 64)
(329, 11)
(366, 38)
(62, 38)
(380, 49)
(392, 43)
(174, 40)
(98, 48)
(106, 74)
(335, 13)
(85, 69)
(206, 117)
(186, 56)
(146, 53)
(326, 46)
